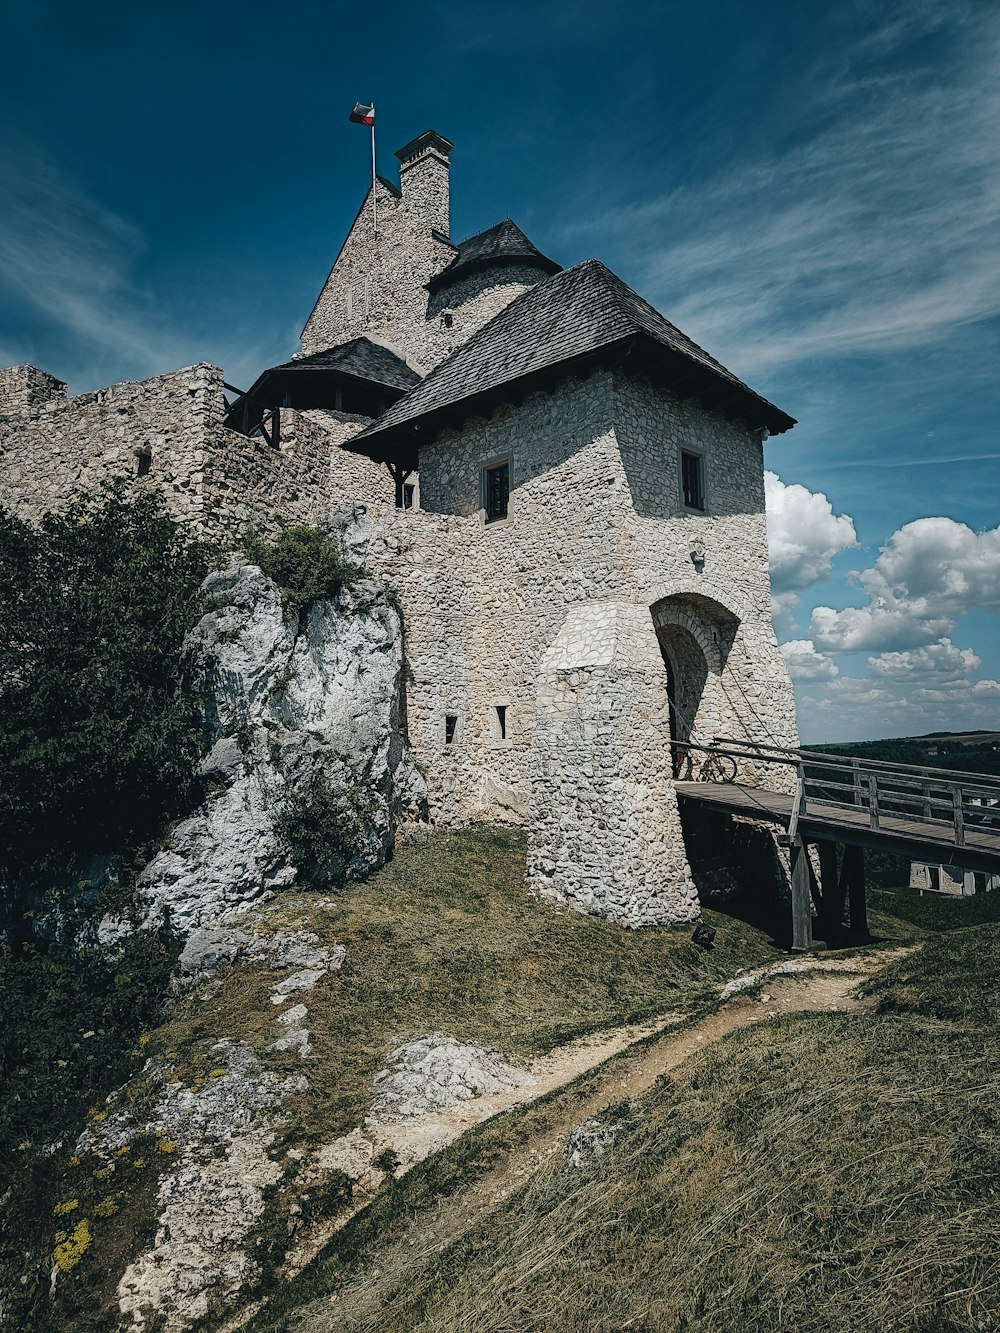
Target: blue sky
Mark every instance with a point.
(810, 191)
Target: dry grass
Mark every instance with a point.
(816, 1173)
(823, 1173)
(448, 938)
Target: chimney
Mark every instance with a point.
(423, 178)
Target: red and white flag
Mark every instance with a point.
(362, 114)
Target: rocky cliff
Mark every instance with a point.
(289, 700)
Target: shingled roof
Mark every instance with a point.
(577, 319)
(359, 359)
(504, 243)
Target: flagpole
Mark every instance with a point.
(374, 207)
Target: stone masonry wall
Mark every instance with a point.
(596, 517)
(376, 286)
(603, 810)
(471, 302)
(23, 388)
(214, 480)
(250, 486)
(54, 449)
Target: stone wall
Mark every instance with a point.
(250, 486)
(167, 434)
(603, 810)
(158, 427)
(376, 286)
(596, 520)
(23, 388)
(471, 302)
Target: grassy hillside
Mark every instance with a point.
(446, 938)
(816, 1172)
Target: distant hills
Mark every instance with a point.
(970, 751)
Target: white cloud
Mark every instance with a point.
(803, 536)
(941, 658)
(852, 708)
(931, 572)
(872, 627)
(936, 566)
(805, 663)
(876, 225)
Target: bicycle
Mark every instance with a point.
(713, 768)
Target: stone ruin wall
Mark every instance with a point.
(217, 482)
(55, 449)
(250, 486)
(509, 613)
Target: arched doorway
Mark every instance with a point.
(687, 672)
(695, 634)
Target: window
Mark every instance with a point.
(447, 319)
(143, 462)
(450, 727)
(934, 878)
(409, 491)
(692, 480)
(502, 720)
(978, 881)
(496, 491)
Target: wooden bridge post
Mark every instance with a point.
(802, 937)
(832, 898)
(854, 867)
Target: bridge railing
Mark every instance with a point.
(948, 798)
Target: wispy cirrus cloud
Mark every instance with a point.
(70, 276)
(70, 260)
(874, 226)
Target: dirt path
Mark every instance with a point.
(828, 984)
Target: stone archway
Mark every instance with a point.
(695, 634)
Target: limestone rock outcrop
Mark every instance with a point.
(435, 1073)
(287, 699)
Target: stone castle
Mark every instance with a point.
(566, 492)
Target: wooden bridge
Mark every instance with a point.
(941, 816)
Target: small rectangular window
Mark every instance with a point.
(978, 881)
(409, 491)
(692, 480)
(496, 491)
(450, 727)
(502, 720)
(934, 878)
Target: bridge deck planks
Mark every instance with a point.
(910, 837)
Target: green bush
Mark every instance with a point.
(100, 731)
(323, 829)
(306, 563)
(73, 1013)
(100, 724)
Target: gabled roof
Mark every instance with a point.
(503, 243)
(581, 317)
(359, 359)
